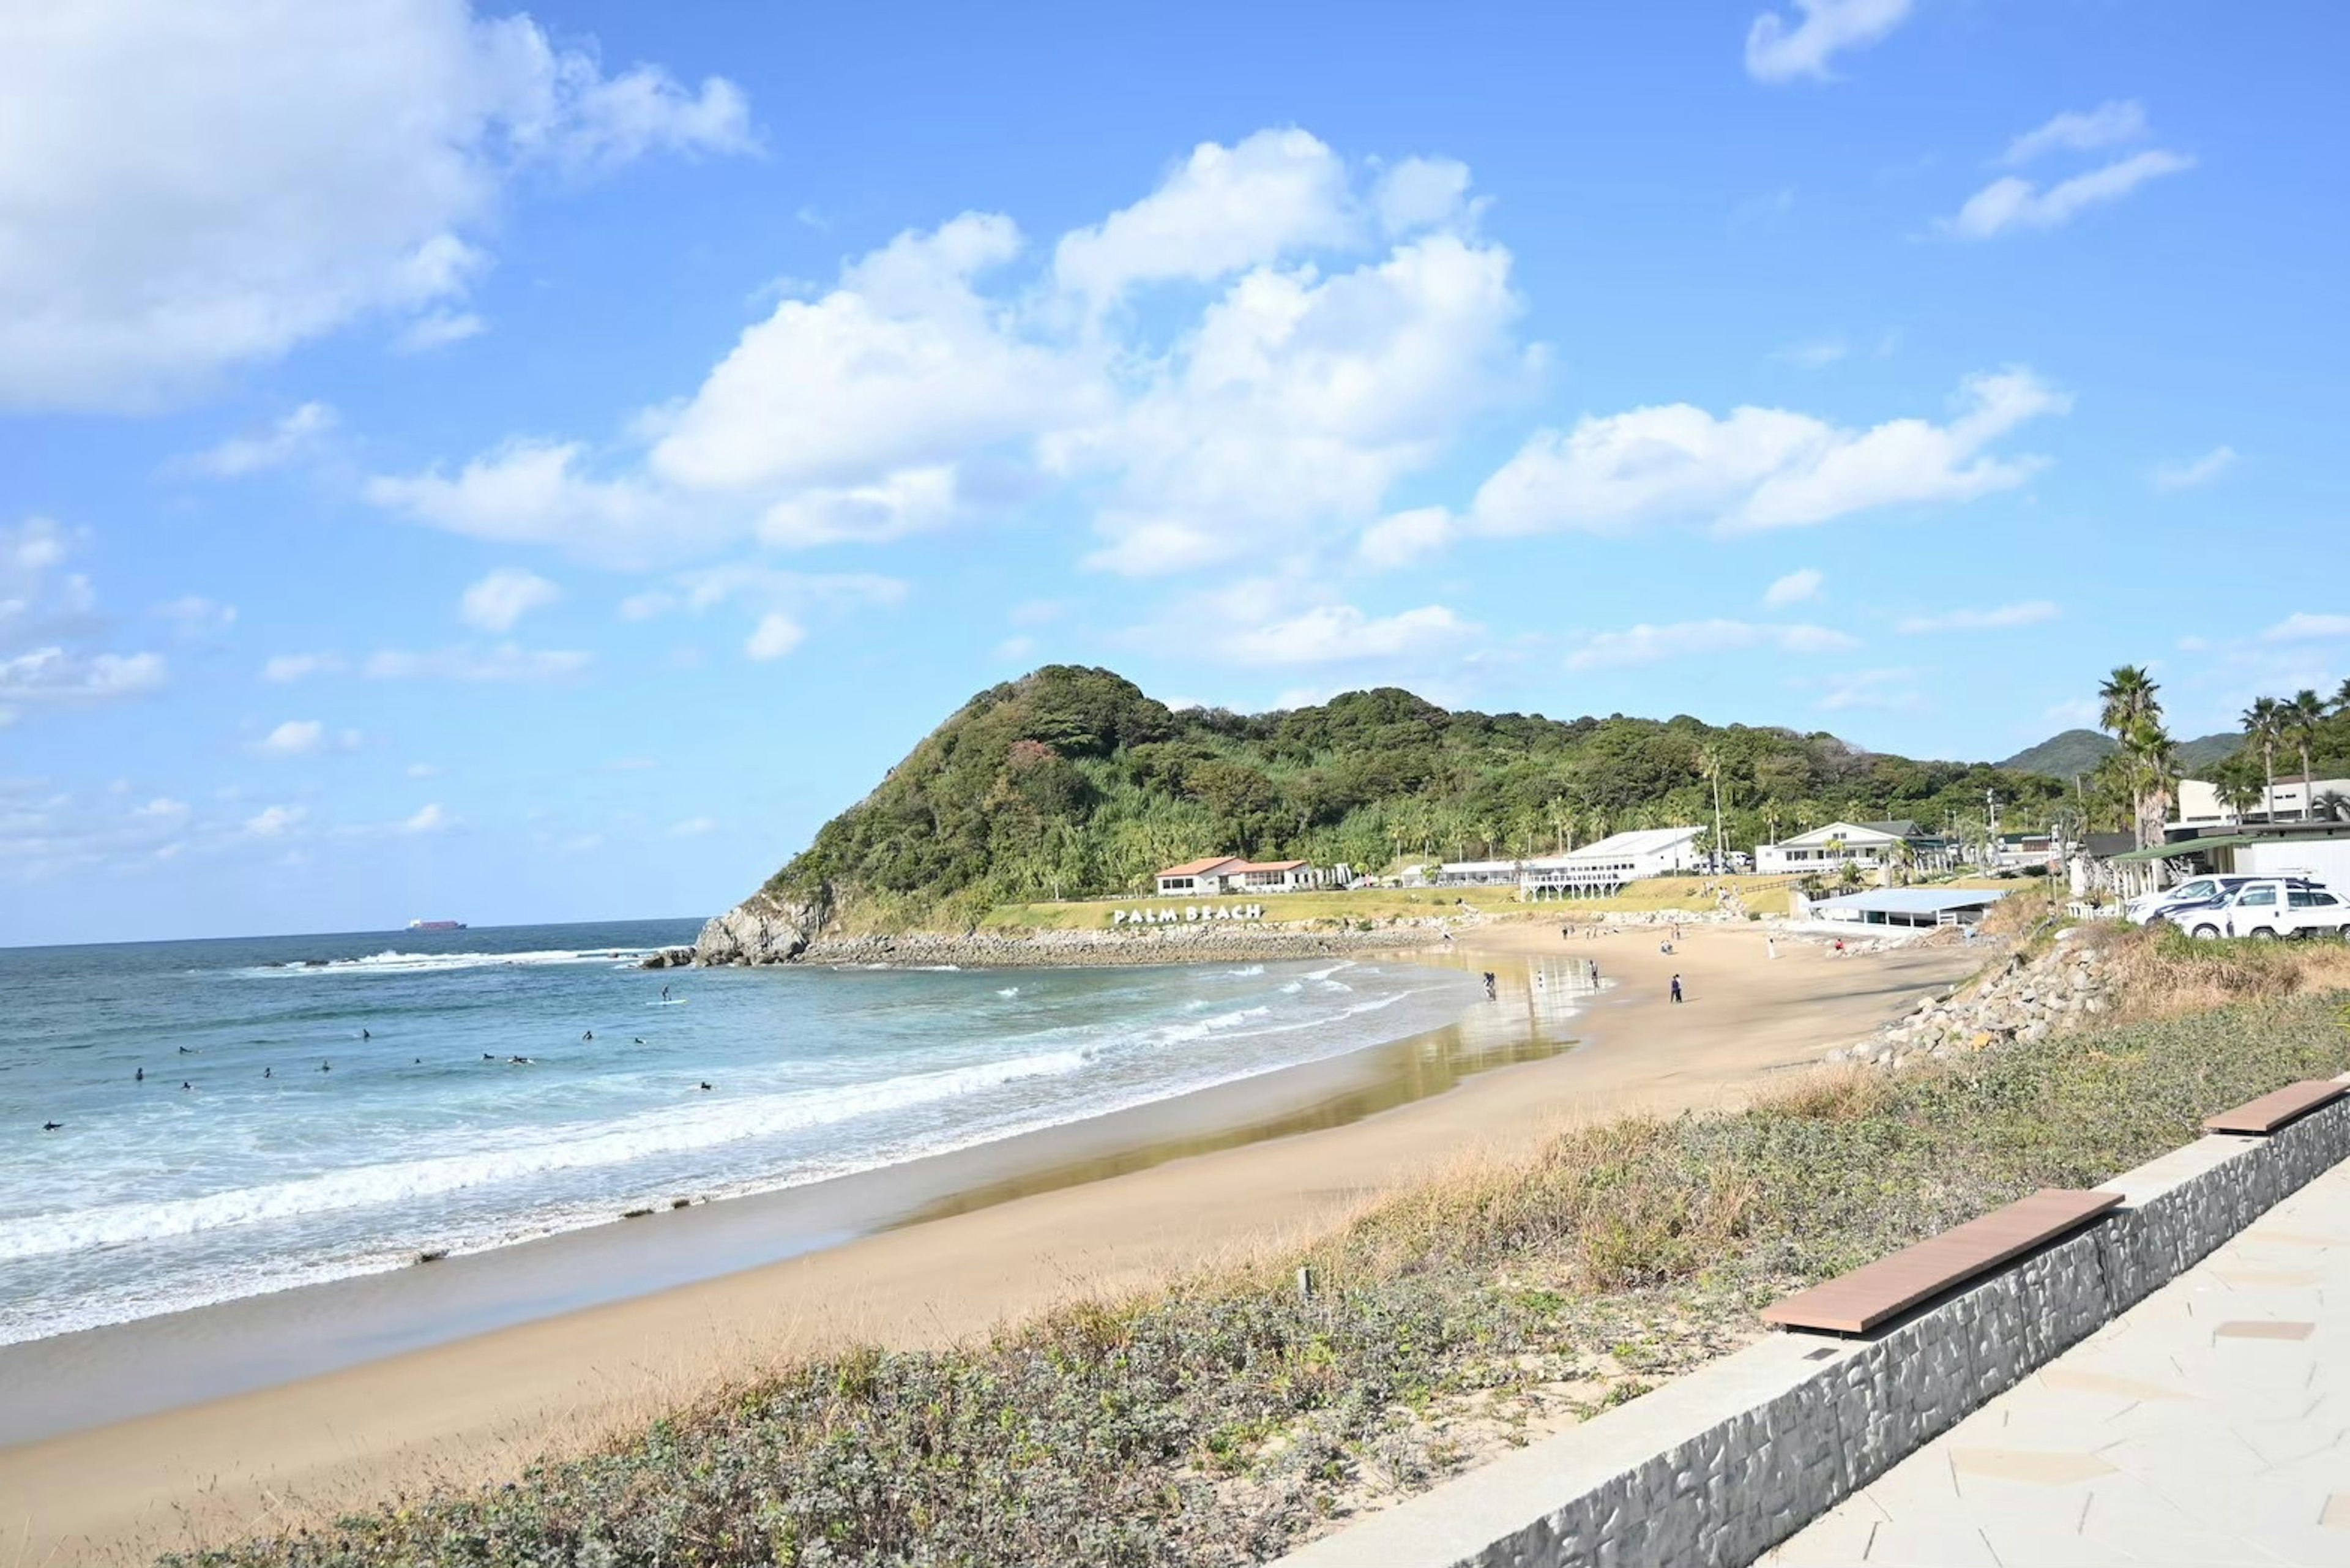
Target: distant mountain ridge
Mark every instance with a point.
(2074, 752)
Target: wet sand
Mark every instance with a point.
(217, 1421)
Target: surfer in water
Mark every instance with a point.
(705, 1083)
(266, 1072)
(51, 1126)
(365, 1036)
(664, 993)
(139, 1076)
(589, 1035)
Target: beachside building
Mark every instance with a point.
(1903, 907)
(1867, 845)
(1598, 869)
(1224, 876)
(2297, 799)
(1477, 874)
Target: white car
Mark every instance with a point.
(2272, 908)
(2162, 901)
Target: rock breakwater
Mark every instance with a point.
(2022, 1002)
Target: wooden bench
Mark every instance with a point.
(1858, 1302)
(2269, 1112)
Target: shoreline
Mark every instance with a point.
(1108, 1216)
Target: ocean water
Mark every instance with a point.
(300, 1151)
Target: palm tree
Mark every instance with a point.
(2342, 698)
(2152, 750)
(2302, 713)
(2125, 700)
(2237, 790)
(2263, 724)
(1708, 767)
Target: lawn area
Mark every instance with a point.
(1766, 895)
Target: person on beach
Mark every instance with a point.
(1676, 988)
(1770, 947)
(1489, 986)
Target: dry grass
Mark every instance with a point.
(2160, 972)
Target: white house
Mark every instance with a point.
(1227, 875)
(1604, 867)
(1867, 845)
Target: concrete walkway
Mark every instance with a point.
(2208, 1426)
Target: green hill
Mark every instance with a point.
(1070, 782)
(2075, 751)
(2064, 756)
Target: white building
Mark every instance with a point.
(1867, 845)
(2200, 804)
(1477, 874)
(1223, 875)
(1598, 869)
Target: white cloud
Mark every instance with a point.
(1016, 648)
(1887, 690)
(2012, 202)
(195, 616)
(775, 635)
(429, 819)
(286, 668)
(293, 738)
(1814, 353)
(438, 329)
(1404, 537)
(163, 808)
(500, 600)
(529, 492)
(693, 827)
(1331, 633)
(904, 364)
(195, 187)
(908, 500)
(274, 821)
(1758, 468)
(1223, 210)
(2195, 472)
(1350, 320)
(288, 440)
(1646, 644)
(2079, 713)
(2032, 612)
(1776, 52)
(423, 770)
(783, 601)
(2304, 626)
(2108, 125)
(1297, 404)
(505, 663)
(54, 674)
(1795, 588)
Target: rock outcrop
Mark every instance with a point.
(2024, 1003)
(762, 929)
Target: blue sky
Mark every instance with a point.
(457, 462)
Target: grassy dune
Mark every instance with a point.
(1226, 1416)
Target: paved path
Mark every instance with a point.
(2209, 1426)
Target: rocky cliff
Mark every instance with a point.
(762, 929)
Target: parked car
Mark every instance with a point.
(2269, 908)
(2195, 890)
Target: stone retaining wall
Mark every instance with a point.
(1717, 1466)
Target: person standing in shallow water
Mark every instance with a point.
(1676, 988)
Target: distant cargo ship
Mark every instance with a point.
(436, 925)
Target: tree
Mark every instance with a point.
(2263, 724)
(1708, 767)
(2157, 758)
(1848, 878)
(2301, 714)
(2125, 700)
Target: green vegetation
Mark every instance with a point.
(1224, 1418)
(2072, 753)
(1071, 783)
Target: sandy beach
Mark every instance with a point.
(1111, 1205)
